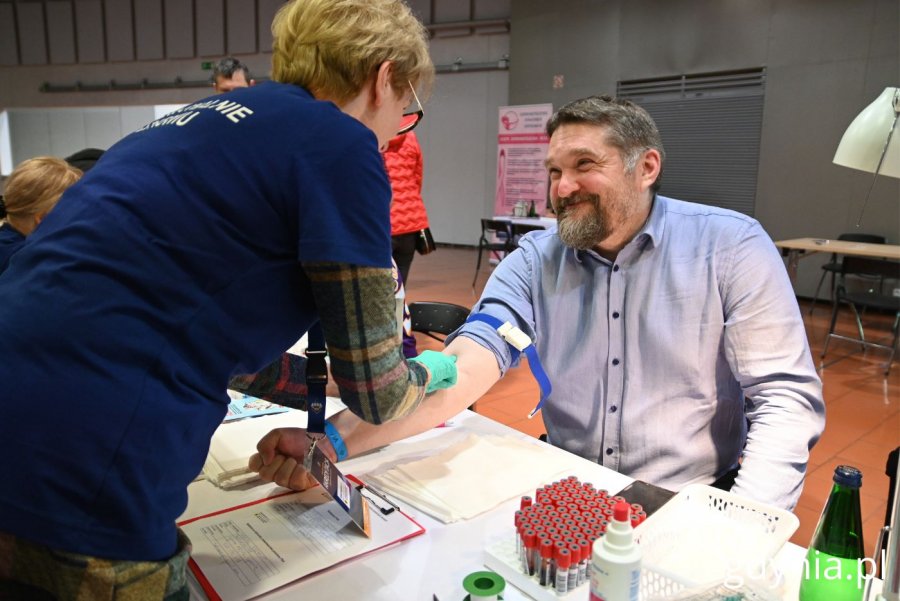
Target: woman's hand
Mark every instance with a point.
(280, 458)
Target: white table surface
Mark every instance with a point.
(436, 562)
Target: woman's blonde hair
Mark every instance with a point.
(35, 185)
(332, 47)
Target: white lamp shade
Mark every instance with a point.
(863, 142)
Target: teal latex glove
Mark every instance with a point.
(441, 367)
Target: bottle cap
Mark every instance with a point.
(847, 475)
(622, 510)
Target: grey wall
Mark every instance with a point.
(825, 61)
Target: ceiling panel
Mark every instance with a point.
(9, 52)
(119, 28)
(179, 28)
(61, 32)
(149, 33)
(89, 33)
(32, 35)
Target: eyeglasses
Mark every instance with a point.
(412, 115)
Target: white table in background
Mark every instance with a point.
(436, 562)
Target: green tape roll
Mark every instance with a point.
(484, 586)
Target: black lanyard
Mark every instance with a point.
(316, 379)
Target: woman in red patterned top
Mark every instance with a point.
(403, 160)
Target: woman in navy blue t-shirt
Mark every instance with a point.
(199, 249)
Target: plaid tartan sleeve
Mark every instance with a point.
(282, 382)
(357, 308)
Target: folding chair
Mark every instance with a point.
(881, 269)
(496, 237)
(833, 266)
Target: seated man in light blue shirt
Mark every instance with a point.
(669, 330)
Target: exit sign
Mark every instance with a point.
(206, 65)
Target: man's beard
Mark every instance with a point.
(586, 230)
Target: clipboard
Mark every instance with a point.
(248, 550)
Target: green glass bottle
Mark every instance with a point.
(532, 211)
(833, 570)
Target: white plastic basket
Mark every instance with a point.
(704, 534)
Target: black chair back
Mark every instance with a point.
(873, 268)
(433, 318)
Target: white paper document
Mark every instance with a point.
(247, 551)
(458, 484)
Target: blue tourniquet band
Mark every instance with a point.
(522, 344)
(316, 379)
(336, 440)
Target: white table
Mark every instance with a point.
(434, 563)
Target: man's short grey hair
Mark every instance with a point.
(628, 127)
(228, 66)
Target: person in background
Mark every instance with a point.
(669, 330)
(403, 160)
(31, 191)
(168, 272)
(230, 73)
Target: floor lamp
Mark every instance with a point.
(869, 144)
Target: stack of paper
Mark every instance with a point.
(470, 477)
(234, 442)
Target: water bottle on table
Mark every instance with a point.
(834, 569)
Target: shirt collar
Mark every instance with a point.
(653, 229)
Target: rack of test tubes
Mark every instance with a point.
(554, 535)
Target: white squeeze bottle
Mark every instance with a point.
(616, 561)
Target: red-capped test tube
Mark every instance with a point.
(563, 562)
(530, 543)
(575, 555)
(546, 562)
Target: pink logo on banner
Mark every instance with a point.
(510, 120)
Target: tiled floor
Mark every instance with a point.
(863, 408)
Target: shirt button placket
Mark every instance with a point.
(616, 375)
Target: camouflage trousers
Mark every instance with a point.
(33, 572)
